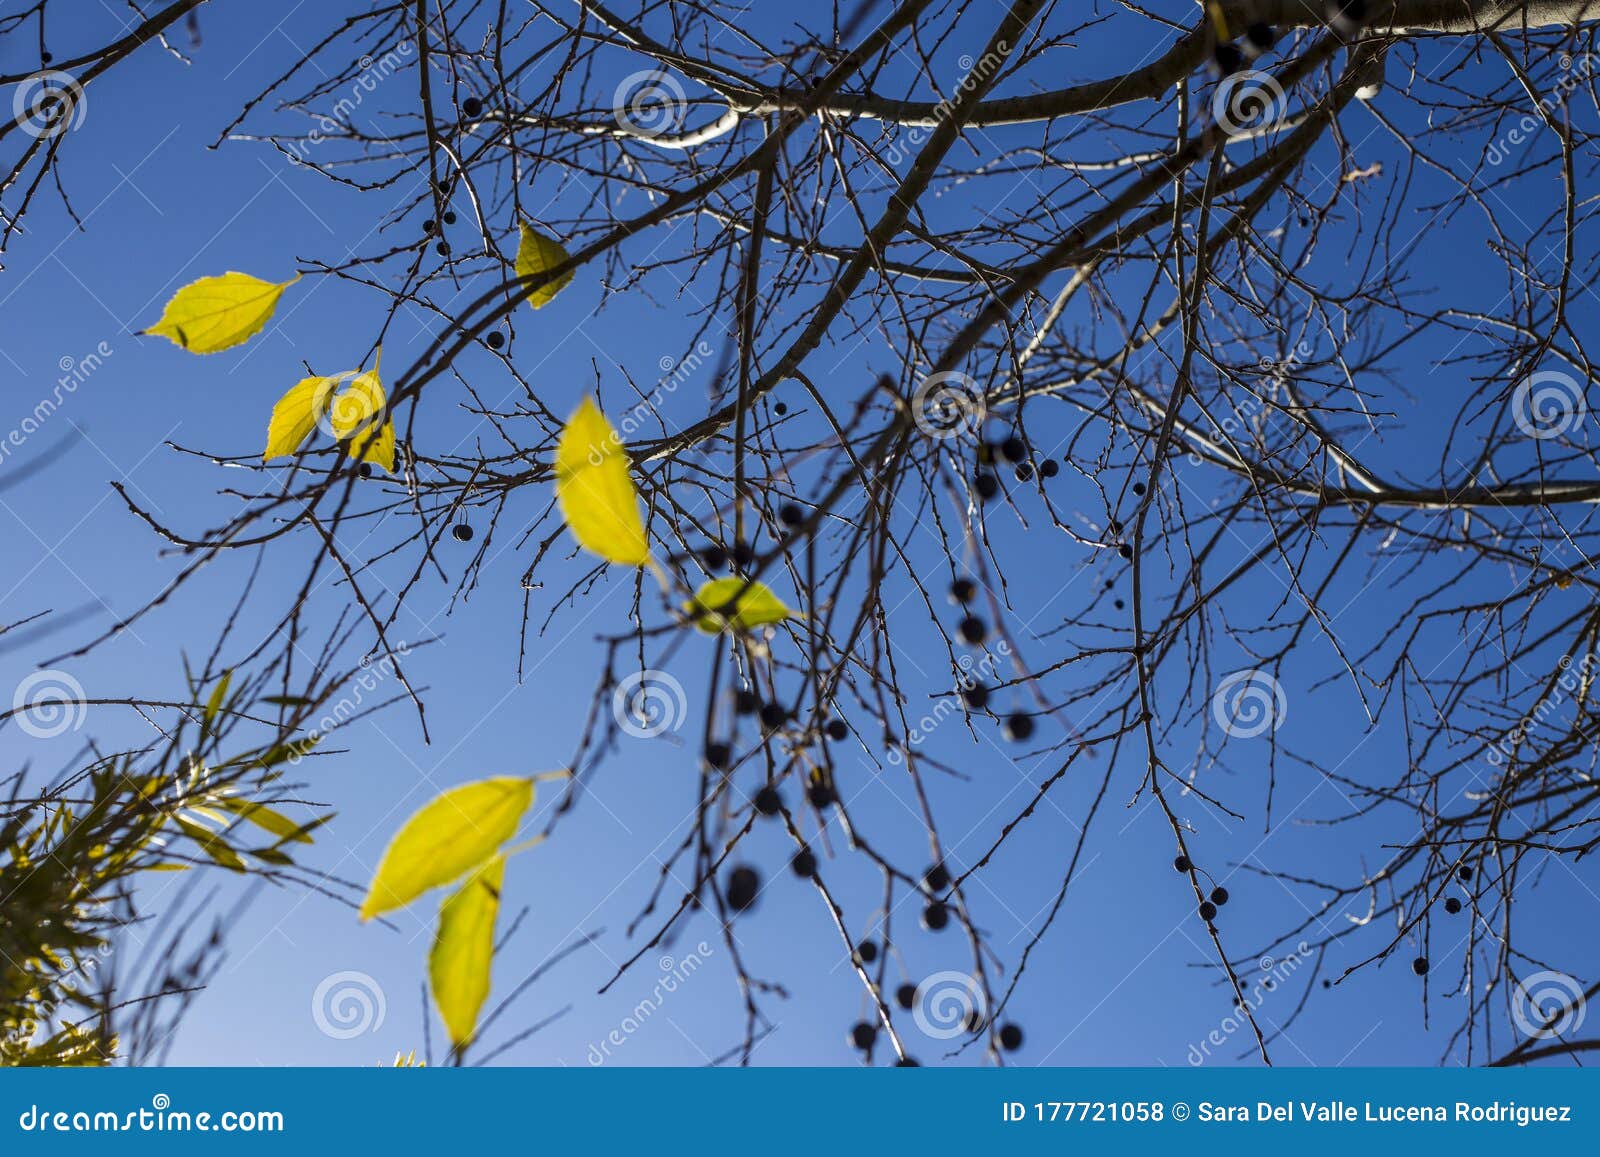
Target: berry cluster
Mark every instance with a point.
(1012, 450)
(973, 631)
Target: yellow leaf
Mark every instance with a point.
(297, 414)
(360, 417)
(596, 493)
(737, 604)
(538, 254)
(463, 950)
(453, 834)
(217, 313)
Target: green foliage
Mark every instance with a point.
(72, 850)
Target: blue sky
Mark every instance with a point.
(1120, 980)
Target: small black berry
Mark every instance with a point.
(1013, 449)
(935, 916)
(1228, 58)
(743, 556)
(472, 106)
(1138, 487)
(442, 249)
(1010, 1037)
(820, 795)
(1261, 36)
(780, 409)
(1464, 872)
(365, 470)
(1420, 966)
(768, 802)
(713, 557)
(1452, 905)
(1019, 727)
(804, 863)
(791, 515)
(1219, 896)
(962, 590)
(1208, 910)
(906, 996)
(867, 950)
(1048, 468)
(496, 339)
(773, 715)
(936, 879)
(719, 755)
(907, 1063)
(1024, 471)
(449, 218)
(1182, 864)
(976, 696)
(972, 629)
(46, 57)
(1119, 604)
(461, 532)
(1125, 550)
(836, 729)
(744, 883)
(987, 485)
(862, 1035)
(746, 702)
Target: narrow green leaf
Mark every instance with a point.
(219, 693)
(265, 817)
(210, 844)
